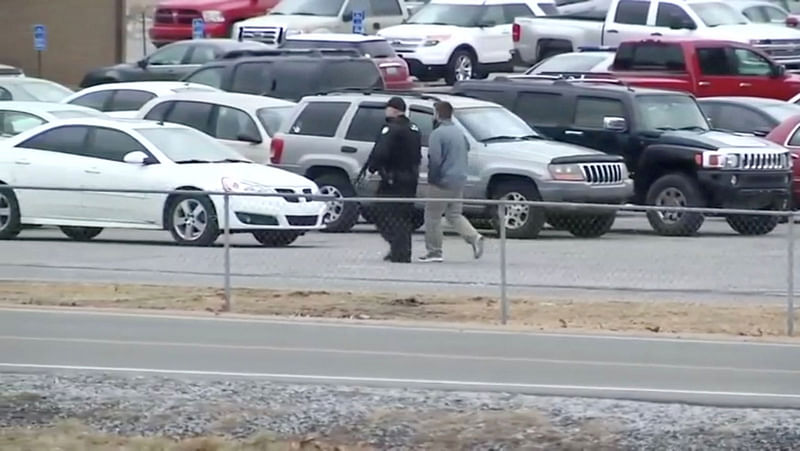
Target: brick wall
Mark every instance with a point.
(81, 35)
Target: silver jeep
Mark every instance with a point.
(328, 138)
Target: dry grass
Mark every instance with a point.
(539, 314)
(72, 436)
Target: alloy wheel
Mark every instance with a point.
(5, 211)
(335, 207)
(516, 214)
(190, 219)
(463, 68)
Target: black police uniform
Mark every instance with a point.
(396, 156)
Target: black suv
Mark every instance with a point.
(673, 155)
(289, 74)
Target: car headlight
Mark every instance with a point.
(232, 185)
(432, 41)
(718, 160)
(213, 16)
(566, 172)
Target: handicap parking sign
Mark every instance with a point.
(358, 22)
(198, 29)
(39, 38)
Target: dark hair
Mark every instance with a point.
(444, 110)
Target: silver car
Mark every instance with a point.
(329, 137)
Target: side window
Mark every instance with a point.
(651, 57)
(5, 94)
(191, 114)
(423, 120)
(590, 111)
(632, 12)
(493, 14)
(751, 63)
(386, 8)
(211, 76)
(96, 100)
(320, 119)
(714, 61)
(168, 56)
(113, 145)
(252, 78)
(775, 14)
(515, 10)
(539, 109)
(15, 122)
(795, 139)
(201, 55)
(669, 14)
(69, 139)
(295, 79)
(232, 123)
(739, 119)
(755, 14)
(158, 112)
(129, 100)
(366, 124)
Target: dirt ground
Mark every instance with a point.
(532, 314)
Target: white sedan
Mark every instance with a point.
(18, 117)
(106, 155)
(123, 100)
(242, 121)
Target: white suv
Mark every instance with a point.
(462, 39)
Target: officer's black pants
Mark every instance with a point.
(395, 222)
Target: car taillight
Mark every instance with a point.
(516, 32)
(276, 150)
(792, 22)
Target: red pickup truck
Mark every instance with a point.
(173, 18)
(704, 68)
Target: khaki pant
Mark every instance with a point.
(452, 211)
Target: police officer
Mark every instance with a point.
(396, 157)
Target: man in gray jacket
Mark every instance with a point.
(447, 175)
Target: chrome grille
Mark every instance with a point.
(785, 51)
(267, 35)
(765, 161)
(177, 16)
(603, 173)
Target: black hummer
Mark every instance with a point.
(673, 155)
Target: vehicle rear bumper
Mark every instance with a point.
(740, 189)
(161, 34)
(577, 192)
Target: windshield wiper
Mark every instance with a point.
(232, 160)
(192, 161)
(511, 138)
(693, 128)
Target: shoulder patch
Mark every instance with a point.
(385, 130)
(414, 127)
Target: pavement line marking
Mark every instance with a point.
(422, 355)
(411, 381)
(316, 322)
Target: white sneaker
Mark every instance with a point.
(477, 247)
(430, 259)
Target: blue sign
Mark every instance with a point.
(358, 22)
(39, 38)
(198, 29)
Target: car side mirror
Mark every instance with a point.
(615, 124)
(347, 16)
(778, 71)
(762, 131)
(142, 63)
(247, 137)
(139, 158)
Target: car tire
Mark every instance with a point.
(192, 220)
(460, 67)
(522, 221)
(81, 233)
(341, 216)
(10, 225)
(675, 190)
(276, 238)
(753, 225)
(590, 226)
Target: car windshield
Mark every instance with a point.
(272, 118)
(571, 62)
(781, 112)
(184, 145)
(494, 123)
(37, 91)
(74, 114)
(328, 8)
(670, 112)
(714, 14)
(447, 14)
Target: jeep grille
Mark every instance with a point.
(765, 161)
(267, 35)
(603, 173)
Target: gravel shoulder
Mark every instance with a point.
(739, 320)
(183, 414)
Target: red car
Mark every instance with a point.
(394, 69)
(173, 18)
(788, 135)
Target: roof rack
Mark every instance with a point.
(234, 54)
(389, 92)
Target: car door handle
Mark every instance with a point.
(612, 31)
(348, 149)
(574, 132)
(744, 85)
(704, 83)
(92, 171)
(656, 34)
(22, 162)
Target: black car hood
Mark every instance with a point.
(714, 140)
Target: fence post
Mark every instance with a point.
(501, 212)
(790, 276)
(227, 239)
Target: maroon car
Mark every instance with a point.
(788, 135)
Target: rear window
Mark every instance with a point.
(549, 9)
(656, 56)
(319, 119)
(351, 74)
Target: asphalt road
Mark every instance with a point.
(630, 263)
(720, 373)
